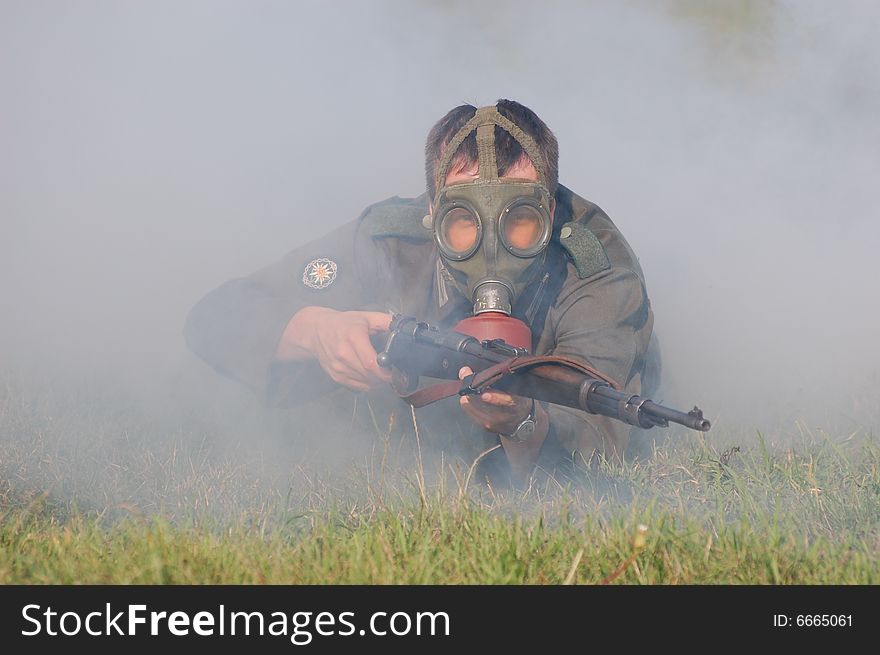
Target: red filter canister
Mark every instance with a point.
(495, 325)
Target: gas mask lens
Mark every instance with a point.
(524, 229)
(459, 232)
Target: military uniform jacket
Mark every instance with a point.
(592, 306)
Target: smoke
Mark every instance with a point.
(151, 151)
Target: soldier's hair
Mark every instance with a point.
(507, 149)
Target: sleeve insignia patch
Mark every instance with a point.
(319, 273)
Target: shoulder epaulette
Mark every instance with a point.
(396, 218)
(586, 251)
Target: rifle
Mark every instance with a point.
(414, 349)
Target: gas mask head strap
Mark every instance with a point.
(484, 122)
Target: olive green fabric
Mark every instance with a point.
(396, 220)
(586, 251)
(486, 151)
(605, 319)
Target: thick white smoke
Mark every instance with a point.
(151, 151)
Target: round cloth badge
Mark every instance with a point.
(319, 273)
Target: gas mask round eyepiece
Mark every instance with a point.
(458, 231)
(525, 227)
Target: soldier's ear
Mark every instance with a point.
(552, 209)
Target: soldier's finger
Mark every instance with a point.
(463, 372)
(498, 398)
(341, 375)
(486, 417)
(497, 411)
(378, 321)
(472, 410)
(366, 356)
(478, 408)
(348, 365)
(471, 406)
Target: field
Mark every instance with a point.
(104, 493)
(151, 155)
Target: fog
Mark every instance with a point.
(151, 151)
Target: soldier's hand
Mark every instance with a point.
(502, 413)
(493, 410)
(340, 341)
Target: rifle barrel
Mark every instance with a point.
(693, 419)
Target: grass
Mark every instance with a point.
(802, 508)
(434, 546)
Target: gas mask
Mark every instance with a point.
(493, 239)
(492, 235)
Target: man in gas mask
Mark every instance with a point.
(497, 242)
